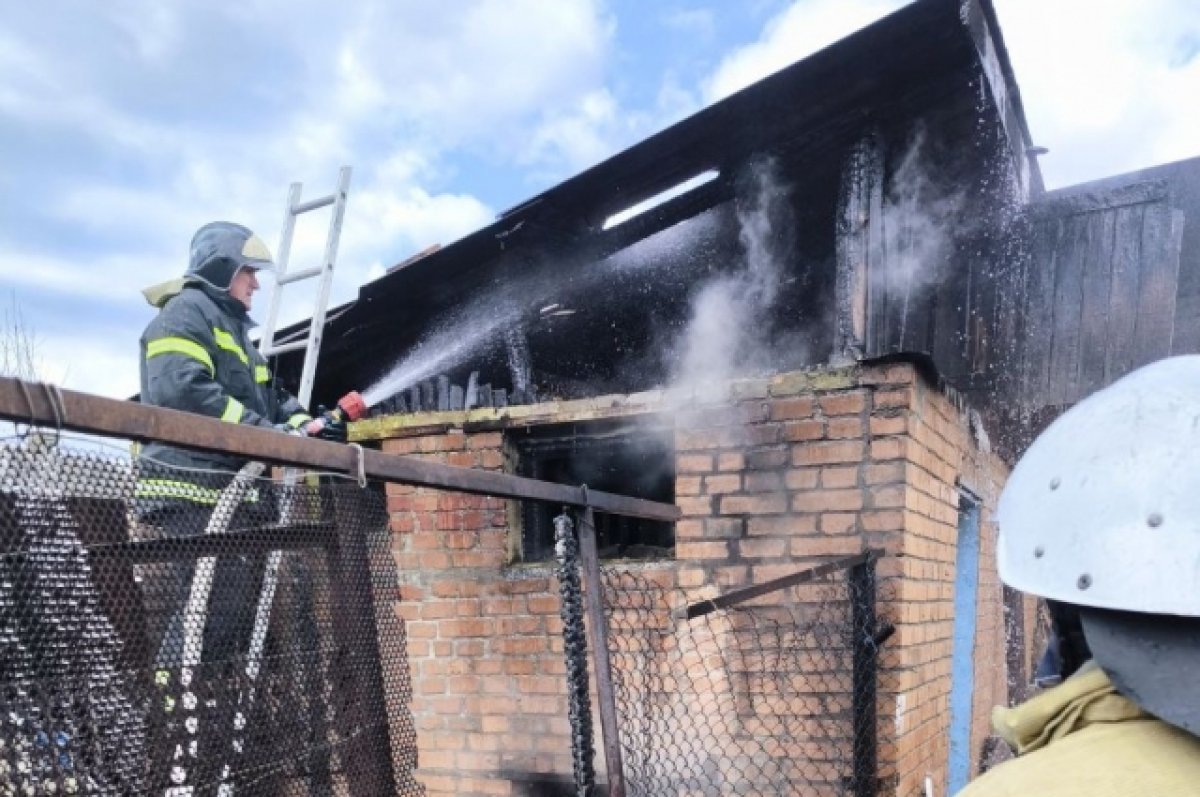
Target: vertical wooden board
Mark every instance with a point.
(981, 323)
(1011, 264)
(1067, 312)
(1123, 291)
(950, 302)
(1186, 338)
(1039, 310)
(1097, 281)
(1162, 236)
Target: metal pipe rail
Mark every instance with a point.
(46, 405)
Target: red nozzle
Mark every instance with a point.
(353, 406)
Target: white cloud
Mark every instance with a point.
(798, 31)
(80, 362)
(1108, 86)
(698, 22)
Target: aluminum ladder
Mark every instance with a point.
(312, 343)
(312, 346)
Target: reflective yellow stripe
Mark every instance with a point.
(262, 374)
(233, 411)
(226, 342)
(186, 491)
(297, 419)
(188, 348)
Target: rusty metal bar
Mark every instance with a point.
(46, 405)
(742, 595)
(606, 697)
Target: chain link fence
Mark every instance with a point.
(180, 632)
(771, 689)
(766, 691)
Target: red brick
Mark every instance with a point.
(762, 548)
(797, 431)
(766, 458)
(731, 460)
(543, 604)
(707, 549)
(838, 522)
(753, 504)
(839, 477)
(827, 453)
(723, 527)
(887, 496)
(692, 528)
(687, 485)
(692, 440)
(485, 440)
(465, 628)
(842, 403)
(888, 399)
(763, 482)
(761, 435)
(827, 501)
(885, 425)
(792, 409)
(883, 520)
(885, 472)
(825, 546)
(889, 448)
(724, 483)
(702, 505)
(898, 374)
(845, 428)
(463, 459)
(491, 459)
(801, 479)
(694, 463)
(780, 526)
(401, 446)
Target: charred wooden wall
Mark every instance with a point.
(1043, 306)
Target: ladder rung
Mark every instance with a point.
(284, 348)
(314, 204)
(296, 276)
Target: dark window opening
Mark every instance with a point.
(634, 458)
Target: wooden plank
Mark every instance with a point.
(1011, 266)
(858, 253)
(25, 402)
(1097, 280)
(1162, 238)
(1039, 311)
(1067, 312)
(1074, 201)
(1123, 291)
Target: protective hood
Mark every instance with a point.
(220, 248)
(1084, 699)
(1154, 660)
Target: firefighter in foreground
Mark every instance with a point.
(1101, 517)
(197, 357)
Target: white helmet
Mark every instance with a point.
(1103, 509)
(1103, 512)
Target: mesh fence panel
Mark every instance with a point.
(760, 698)
(185, 633)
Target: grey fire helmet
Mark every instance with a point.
(1103, 513)
(220, 248)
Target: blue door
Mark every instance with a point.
(962, 668)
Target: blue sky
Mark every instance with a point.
(125, 125)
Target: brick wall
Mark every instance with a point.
(777, 474)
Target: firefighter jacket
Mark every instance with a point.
(197, 357)
(1083, 738)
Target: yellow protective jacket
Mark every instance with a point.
(1084, 739)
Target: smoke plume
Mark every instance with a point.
(727, 334)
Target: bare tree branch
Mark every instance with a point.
(18, 343)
